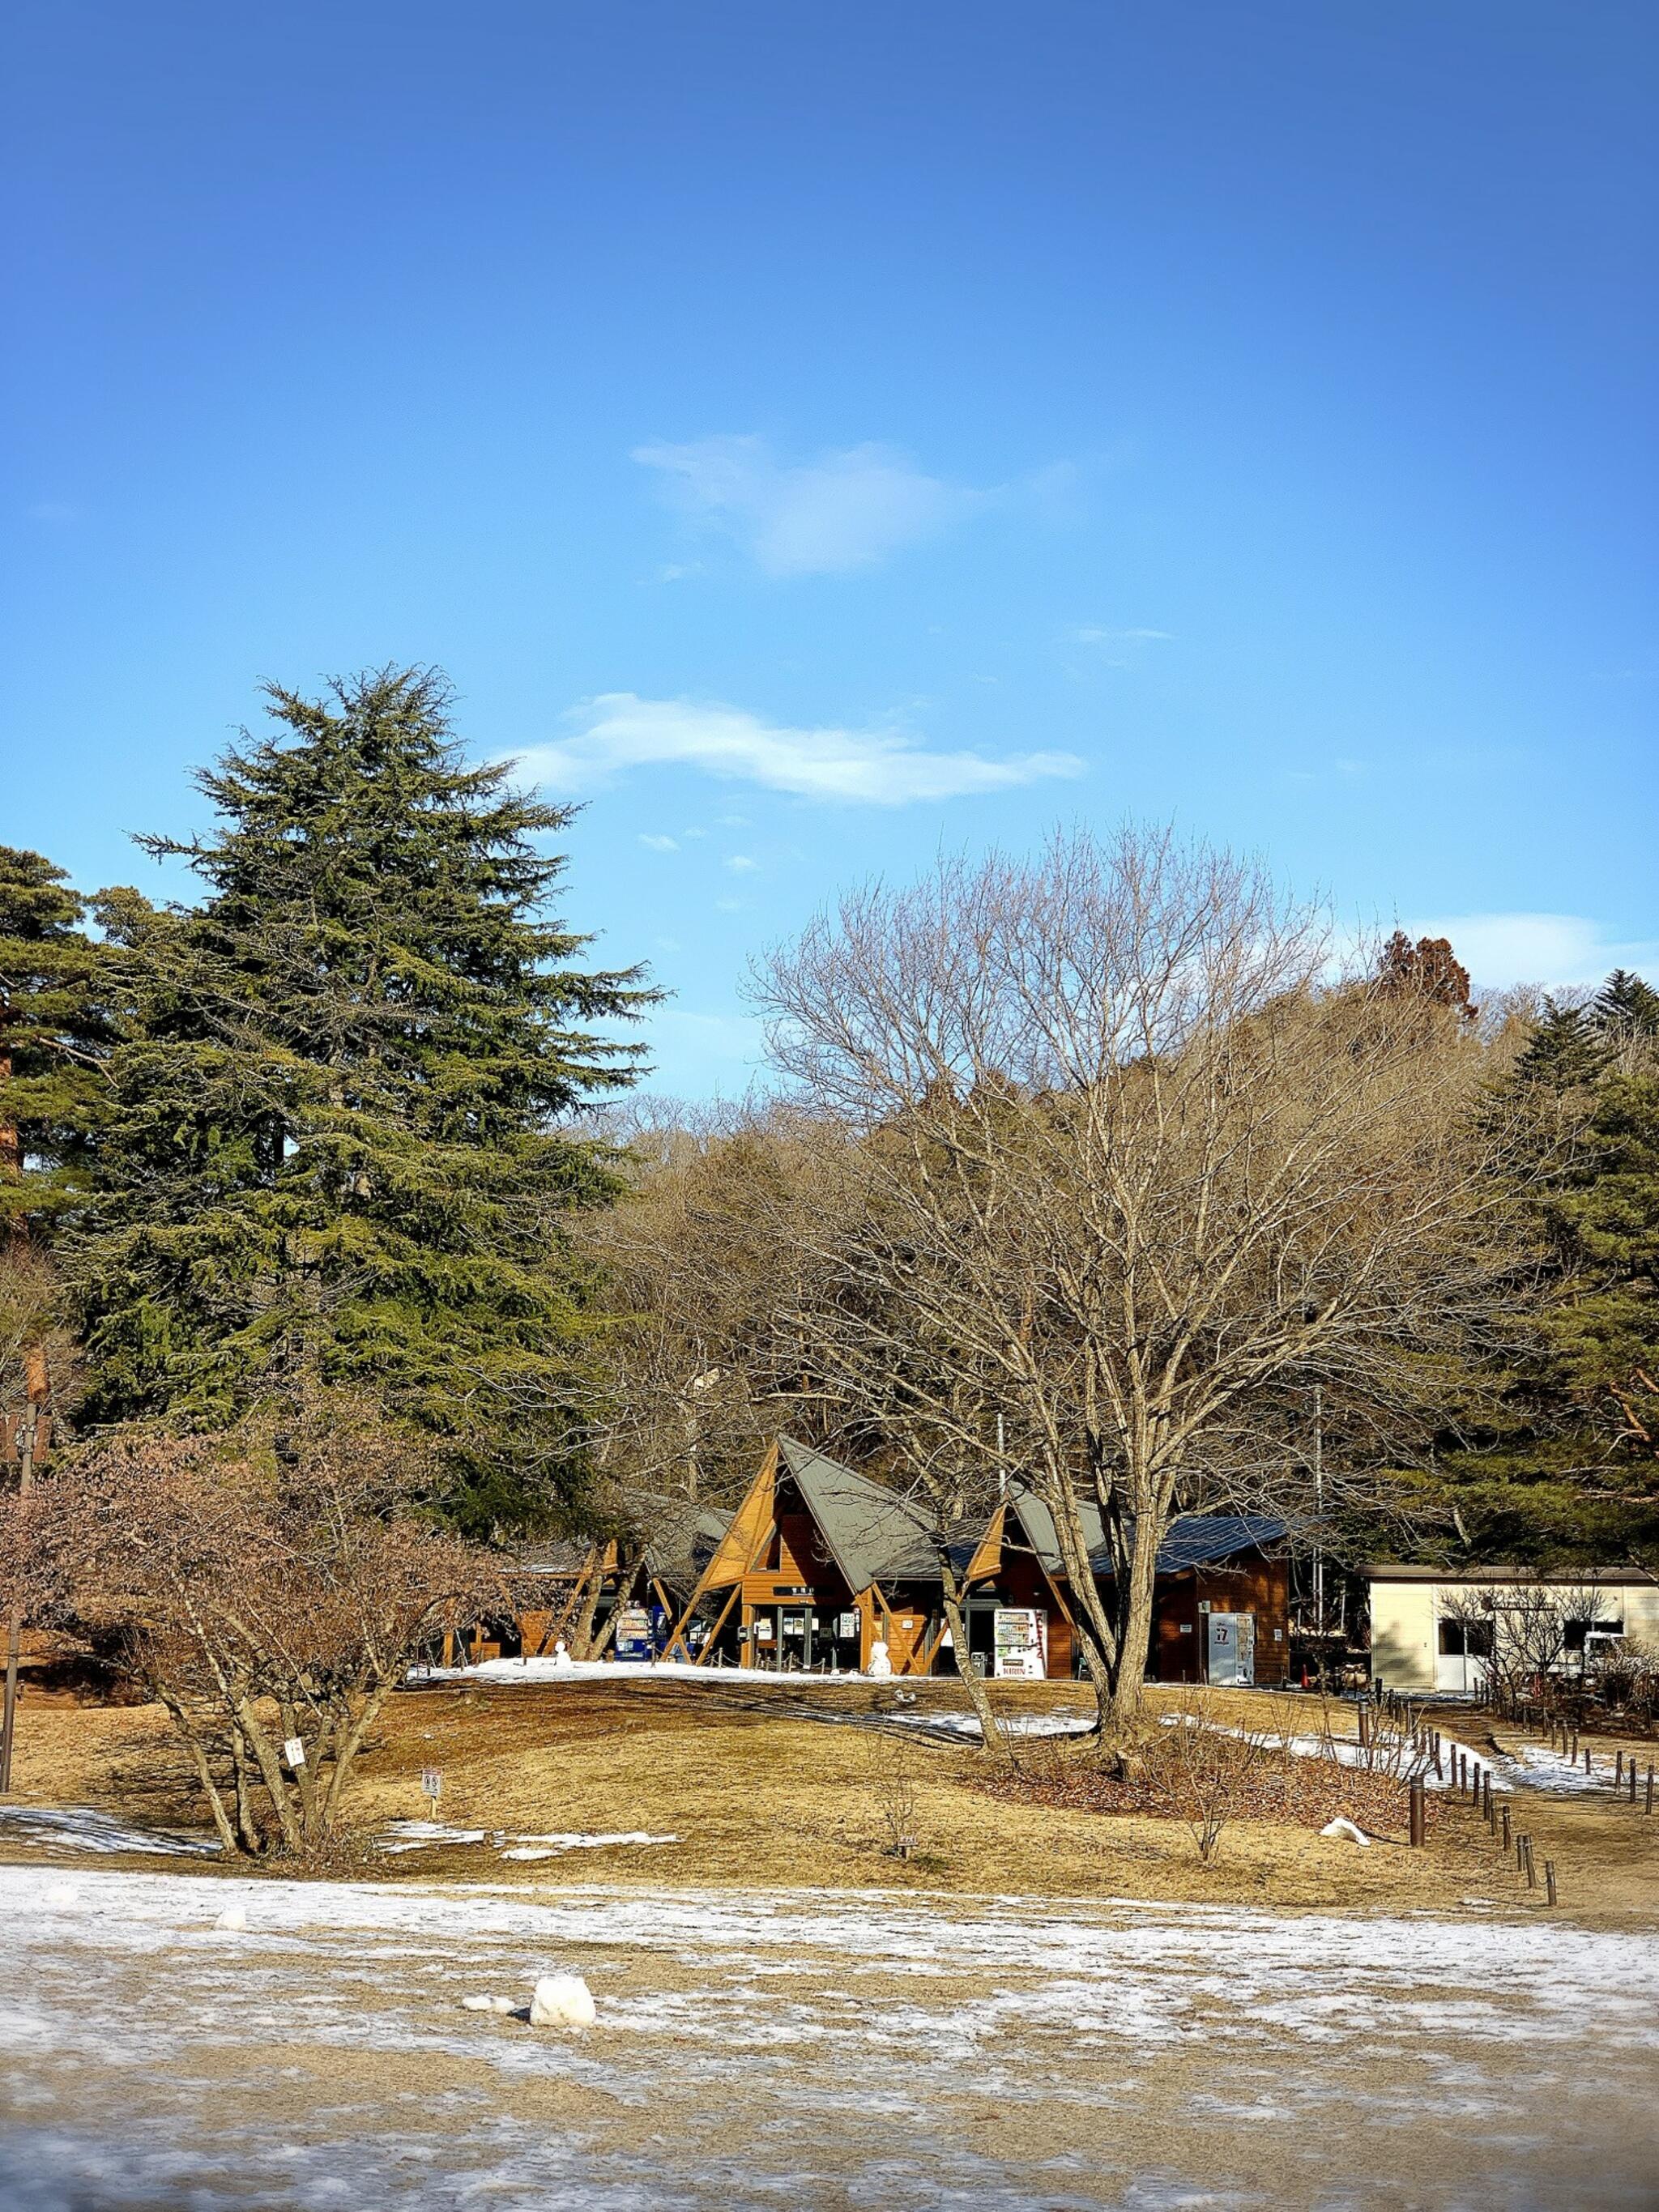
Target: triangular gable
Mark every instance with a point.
(747, 1531)
(870, 1534)
(987, 1555)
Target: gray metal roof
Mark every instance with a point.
(1193, 1539)
(872, 1535)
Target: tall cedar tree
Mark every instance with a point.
(1570, 1471)
(334, 1145)
(54, 1036)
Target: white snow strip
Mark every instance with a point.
(617, 1670)
(967, 1726)
(80, 1828)
(424, 1835)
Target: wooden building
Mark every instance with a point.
(820, 1564)
(568, 1591)
(817, 1566)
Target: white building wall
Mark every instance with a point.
(1406, 1624)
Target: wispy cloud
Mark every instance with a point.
(619, 731)
(839, 511)
(1118, 648)
(740, 864)
(1554, 949)
(659, 844)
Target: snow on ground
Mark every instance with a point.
(78, 1828)
(829, 2050)
(1531, 1766)
(617, 1670)
(966, 1725)
(421, 1835)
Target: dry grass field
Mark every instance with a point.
(772, 1786)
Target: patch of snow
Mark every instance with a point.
(79, 1828)
(966, 1725)
(617, 1670)
(1372, 2033)
(424, 1835)
(561, 2000)
(1347, 1831)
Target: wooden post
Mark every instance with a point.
(1619, 1770)
(1649, 1802)
(1486, 1805)
(1506, 1831)
(1633, 1777)
(1588, 1768)
(1532, 1869)
(1549, 1881)
(1418, 1818)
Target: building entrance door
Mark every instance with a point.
(1231, 1649)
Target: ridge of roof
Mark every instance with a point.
(871, 1531)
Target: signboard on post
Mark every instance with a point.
(1019, 1638)
(432, 1787)
(294, 1752)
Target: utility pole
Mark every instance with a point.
(28, 1437)
(1319, 1518)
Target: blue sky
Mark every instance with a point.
(813, 433)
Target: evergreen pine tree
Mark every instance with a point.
(1627, 1008)
(335, 1143)
(1567, 1051)
(54, 1034)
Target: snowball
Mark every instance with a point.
(1345, 1831)
(477, 2004)
(233, 1920)
(503, 2005)
(562, 1658)
(880, 1665)
(561, 2000)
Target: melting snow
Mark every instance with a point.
(1369, 2039)
(79, 1828)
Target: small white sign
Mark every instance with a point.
(432, 1783)
(294, 1752)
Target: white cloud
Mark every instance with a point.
(842, 511)
(659, 844)
(1554, 949)
(1118, 648)
(740, 863)
(618, 732)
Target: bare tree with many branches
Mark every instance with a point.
(1104, 1159)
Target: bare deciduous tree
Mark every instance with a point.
(269, 1587)
(1104, 1159)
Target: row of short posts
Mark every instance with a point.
(1628, 1781)
(1473, 1781)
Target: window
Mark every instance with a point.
(1466, 1639)
(1575, 1634)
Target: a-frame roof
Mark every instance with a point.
(872, 1535)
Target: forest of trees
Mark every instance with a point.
(1100, 1167)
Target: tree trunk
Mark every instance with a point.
(978, 1696)
(186, 1729)
(581, 1636)
(1134, 1611)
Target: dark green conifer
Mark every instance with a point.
(54, 1037)
(335, 1144)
